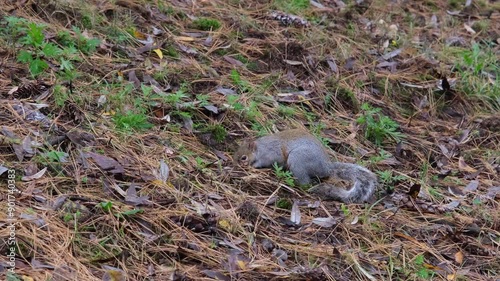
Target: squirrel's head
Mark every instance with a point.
(245, 154)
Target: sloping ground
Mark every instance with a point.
(121, 146)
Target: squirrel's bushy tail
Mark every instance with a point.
(363, 181)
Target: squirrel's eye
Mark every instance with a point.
(243, 158)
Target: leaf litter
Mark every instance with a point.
(166, 203)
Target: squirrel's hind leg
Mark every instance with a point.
(298, 168)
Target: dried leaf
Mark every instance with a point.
(28, 146)
(459, 257)
(3, 169)
(186, 38)
(414, 190)
(469, 29)
(164, 171)
(280, 254)
(113, 274)
(59, 202)
(212, 108)
(34, 219)
(132, 198)
(216, 275)
(453, 13)
(102, 100)
(187, 50)
(233, 61)
(159, 53)
(146, 48)
(35, 176)
(463, 167)
(225, 91)
(325, 222)
(149, 40)
(241, 264)
(13, 90)
(333, 66)
(464, 135)
(36, 263)
(314, 204)
(293, 96)
(188, 123)
(493, 192)
(295, 215)
(445, 151)
(157, 31)
(349, 64)
(456, 191)
(18, 150)
(451, 206)
(472, 186)
(133, 78)
(391, 65)
(355, 220)
(81, 138)
(392, 54)
(106, 163)
(293, 62)
(433, 23)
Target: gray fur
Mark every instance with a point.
(364, 183)
(305, 157)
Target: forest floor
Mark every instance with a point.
(118, 120)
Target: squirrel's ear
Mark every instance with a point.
(251, 145)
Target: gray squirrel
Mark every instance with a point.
(303, 155)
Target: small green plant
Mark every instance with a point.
(84, 44)
(60, 94)
(378, 127)
(175, 98)
(292, 6)
(218, 132)
(106, 206)
(234, 103)
(382, 155)
(203, 99)
(87, 21)
(129, 213)
(284, 203)
(170, 51)
(14, 26)
(206, 24)
(262, 129)
(422, 271)
(37, 52)
(130, 121)
(72, 216)
(34, 38)
(472, 66)
(243, 86)
(286, 111)
(56, 156)
(283, 175)
(200, 163)
(345, 209)
(241, 58)
(316, 130)
(251, 111)
(388, 179)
